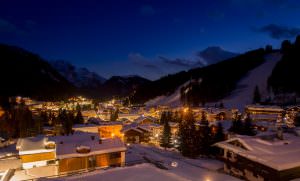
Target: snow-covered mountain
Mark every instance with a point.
(243, 93)
(215, 54)
(80, 77)
(27, 74)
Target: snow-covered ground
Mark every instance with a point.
(35, 173)
(202, 169)
(239, 97)
(243, 95)
(145, 172)
(190, 169)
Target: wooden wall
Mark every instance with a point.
(37, 157)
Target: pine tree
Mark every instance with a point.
(175, 117)
(44, 117)
(219, 136)
(205, 139)
(256, 95)
(66, 121)
(221, 105)
(79, 118)
(163, 118)
(114, 115)
(78, 108)
(297, 120)
(248, 127)
(26, 124)
(165, 140)
(188, 135)
(237, 125)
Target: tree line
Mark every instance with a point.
(18, 120)
(192, 139)
(197, 137)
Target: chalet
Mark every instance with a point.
(136, 134)
(84, 151)
(214, 114)
(263, 112)
(111, 130)
(292, 111)
(157, 130)
(105, 129)
(88, 128)
(36, 151)
(146, 132)
(87, 114)
(142, 120)
(262, 157)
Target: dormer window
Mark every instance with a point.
(237, 144)
(83, 149)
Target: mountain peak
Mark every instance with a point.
(81, 77)
(215, 54)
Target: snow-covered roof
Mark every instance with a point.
(67, 145)
(214, 110)
(135, 129)
(264, 116)
(91, 128)
(274, 153)
(264, 107)
(136, 126)
(142, 118)
(33, 145)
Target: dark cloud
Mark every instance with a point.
(279, 32)
(151, 66)
(147, 10)
(7, 27)
(140, 60)
(181, 62)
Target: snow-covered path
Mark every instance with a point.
(244, 93)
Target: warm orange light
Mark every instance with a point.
(185, 110)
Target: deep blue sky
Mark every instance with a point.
(121, 37)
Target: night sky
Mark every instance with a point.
(124, 37)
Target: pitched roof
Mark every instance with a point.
(67, 145)
(267, 150)
(33, 145)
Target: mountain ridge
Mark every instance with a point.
(80, 77)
